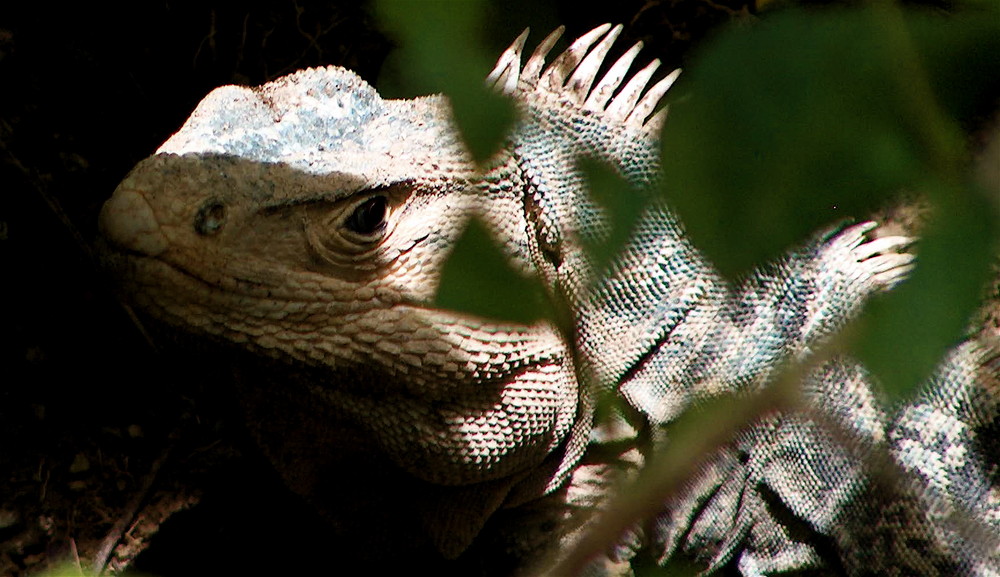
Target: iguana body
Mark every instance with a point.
(306, 221)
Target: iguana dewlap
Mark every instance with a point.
(306, 221)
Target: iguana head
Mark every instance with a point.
(307, 220)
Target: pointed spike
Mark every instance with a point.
(623, 104)
(503, 63)
(507, 82)
(602, 93)
(499, 76)
(656, 122)
(533, 67)
(584, 75)
(554, 77)
(651, 99)
(510, 85)
(505, 74)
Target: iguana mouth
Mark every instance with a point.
(139, 268)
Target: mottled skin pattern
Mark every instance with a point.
(306, 221)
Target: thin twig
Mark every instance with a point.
(114, 536)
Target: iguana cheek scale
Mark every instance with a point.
(307, 220)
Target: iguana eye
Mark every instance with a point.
(210, 218)
(368, 217)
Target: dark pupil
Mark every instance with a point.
(369, 217)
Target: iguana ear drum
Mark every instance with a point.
(547, 235)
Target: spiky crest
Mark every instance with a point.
(570, 77)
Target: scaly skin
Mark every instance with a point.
(307, 220)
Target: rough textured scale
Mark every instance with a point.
(303, 224)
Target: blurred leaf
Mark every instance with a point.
(961, 57)
(442, 52)
(622, 204)
(477, 279)
(808, 118)
(904, 334)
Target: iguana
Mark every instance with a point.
(303, 224)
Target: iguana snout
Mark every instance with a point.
(128, 221)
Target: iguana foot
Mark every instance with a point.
(885, 258)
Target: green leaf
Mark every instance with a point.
(810, 118)
(478, 279)
(904, 334)
(622, 205)
(441, 51)
(961, 57)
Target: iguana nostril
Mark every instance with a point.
(128, 221)
(210, 218)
